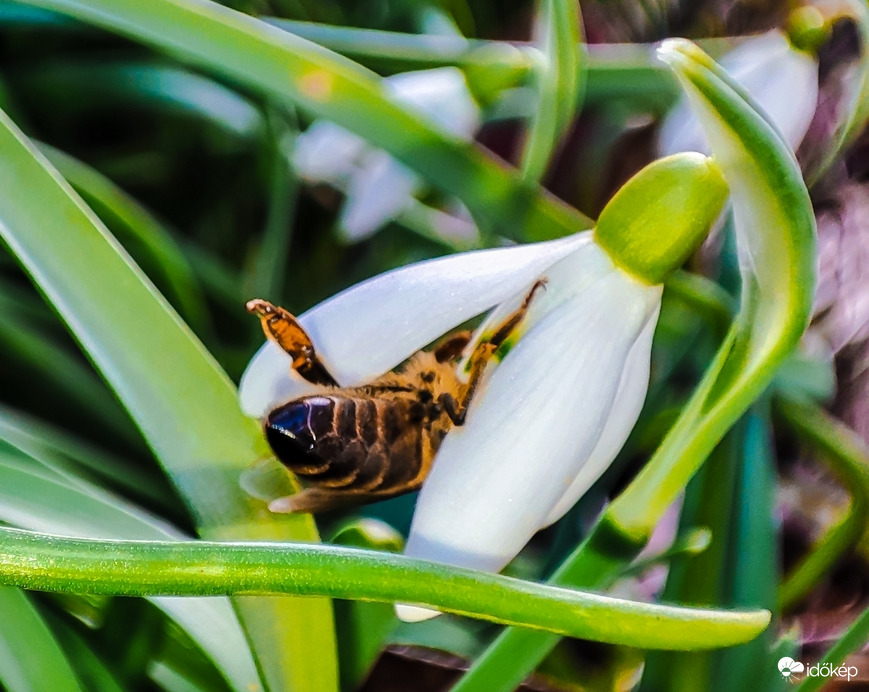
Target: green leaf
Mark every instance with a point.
(39, 498)
(90, 669)
(178, 396)
(560, 80)
(30, 349)
(150, 86)
(139, 232)
(753, 564)
(30, 657)
(290, 70)
(137, 568)
(65, 453)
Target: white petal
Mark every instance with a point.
(327, 153)
(373, 326)
(536, 420)
(377, 192)
(622, 418)
(412, 613)
(782, 80)
(442, 95)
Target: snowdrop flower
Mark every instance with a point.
(548, 418)
(782, 81)
(378, 187)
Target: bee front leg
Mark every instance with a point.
(457, 409)
(282, 328)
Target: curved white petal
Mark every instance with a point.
(377, 192)
(622, 418)
(442, 95)
(536, 420)
(373, 326)
(782, 80)
(327, 153)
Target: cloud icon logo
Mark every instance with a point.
(788, 666)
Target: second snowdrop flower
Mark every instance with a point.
(782, 80)
(378, 187)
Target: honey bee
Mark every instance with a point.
(354, 445)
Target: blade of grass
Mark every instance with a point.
(559, 79)
(178, 396)
(30, 657)
(152, 86)
(617, 70)
(270, 268)
(91, 670)
(139, 232)
(40, 499)
(62, 451)
(60, 375)
(289, 69)
(202, 567)
(700, 579)
(752, 568)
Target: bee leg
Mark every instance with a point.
(457, 409)
(282, 328)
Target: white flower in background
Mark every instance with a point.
(782, 80)
(548, 419)
(378, 187)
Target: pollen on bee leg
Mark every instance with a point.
(412, 613)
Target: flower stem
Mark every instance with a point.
(200, 568)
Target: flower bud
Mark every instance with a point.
(661, 215)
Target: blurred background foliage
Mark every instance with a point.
(193, 175)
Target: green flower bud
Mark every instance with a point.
(661, 215)
(808, 29)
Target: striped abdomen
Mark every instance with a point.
(370, 444)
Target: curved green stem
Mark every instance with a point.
(614, 70)
(289, 69)
(408, 51)
(142, 568)
(848, 458)
(559, 79)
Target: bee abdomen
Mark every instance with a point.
(347, 442)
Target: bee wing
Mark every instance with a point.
(267, 480)
(316, 500)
